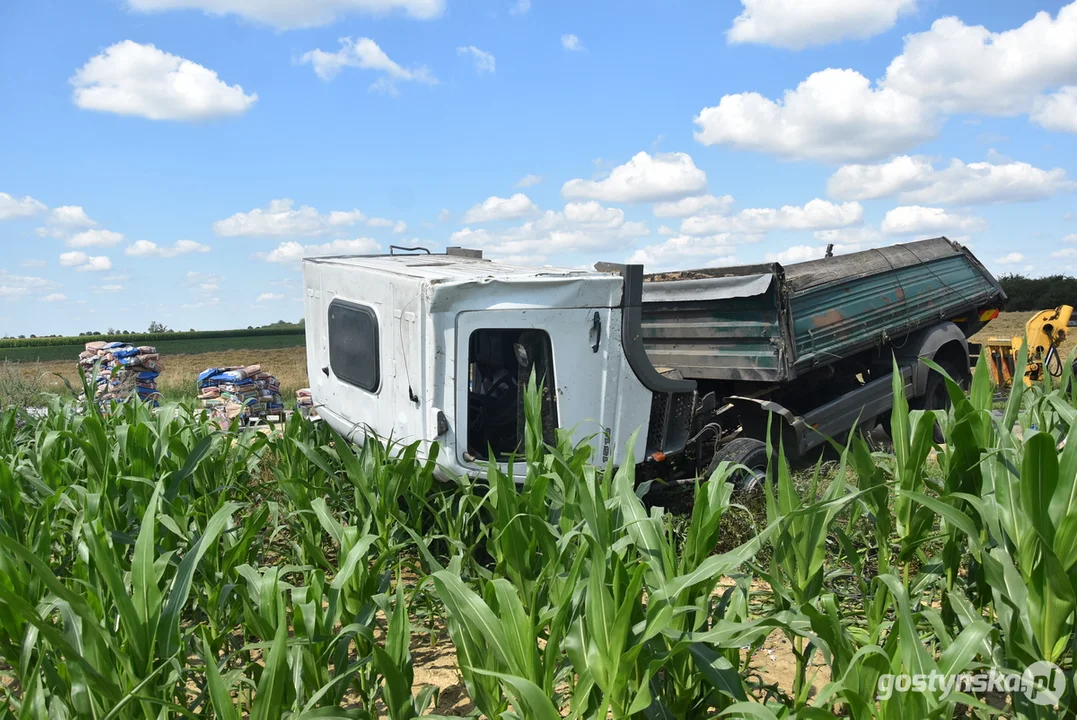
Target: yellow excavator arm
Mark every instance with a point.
(1044, 332)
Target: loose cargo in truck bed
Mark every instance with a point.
(772, 322)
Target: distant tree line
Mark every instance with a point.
(281, 327)
(1042, 293)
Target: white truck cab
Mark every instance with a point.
(438, 348)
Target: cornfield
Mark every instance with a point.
(153, 566)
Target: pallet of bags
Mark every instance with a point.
(304, 403)
(244, 392)
(121, 371)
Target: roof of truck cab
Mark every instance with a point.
(448, 268)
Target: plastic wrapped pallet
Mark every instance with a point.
(304, 403)
(244, 392)
(122, 371)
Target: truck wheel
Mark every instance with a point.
(750, 453)
(936, 397)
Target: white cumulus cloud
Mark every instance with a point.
(338, 218)
(398, 226)
(917, 181)
(814, 215)
(528, 181)
(292, 252)
(796, 254)
(95, 238)
(133, 79)
(85, 263)
(13, 207)
(269, 297)
(520, 8)
(146, 248)
(484, 61)
(693, 205)
(15, 286)
(580, 227)
(796, 24)
(963, 68)
(54, 297)
(1057, 111)
(70, 216)
(365, 54)
(289, 14)
(833, 115)
(497, 208)
(909, 219)
(572, 43)
(851, 238)
(1014, 258)
(280, 218)
(644, 178)
(682, 252)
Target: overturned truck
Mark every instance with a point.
(439, 347)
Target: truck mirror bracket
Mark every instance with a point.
(632, 335)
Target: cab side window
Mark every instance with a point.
(353, 345)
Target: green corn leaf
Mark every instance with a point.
(1039, 478)
(268, 700)
(952, 515)
(527, 696)
(1064, 499)
(718, 672)
(472, 612)
(970, 642)
(1051, 604)
(144, 590)
(181, 584)
(749, 710)
(219, 697)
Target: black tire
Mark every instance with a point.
(750, 453)
(937, 397)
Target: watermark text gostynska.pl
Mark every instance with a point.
(1043, 683)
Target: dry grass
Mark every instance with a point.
(177, 382)
(1012, 324)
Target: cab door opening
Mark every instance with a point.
(500, 362)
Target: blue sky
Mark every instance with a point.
(171, 160)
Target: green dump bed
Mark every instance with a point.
(770, 323)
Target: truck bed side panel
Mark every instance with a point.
(739, 338)
(812, 314)
(840, 318)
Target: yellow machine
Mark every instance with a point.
(1044, 332)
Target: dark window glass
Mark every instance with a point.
(353, 344)
(499, 365)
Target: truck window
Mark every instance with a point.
(499, 365)
(353, 344)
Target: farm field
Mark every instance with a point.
(153, 566)
(177, 382)
(167, 347)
